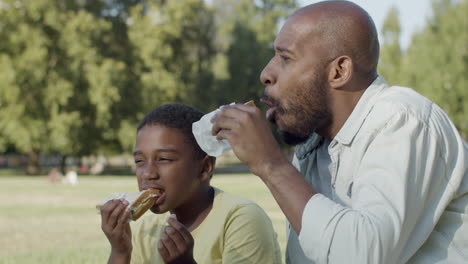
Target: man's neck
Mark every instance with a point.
(342, 104)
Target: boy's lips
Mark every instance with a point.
(160, 199)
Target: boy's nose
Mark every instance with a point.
(150, 172)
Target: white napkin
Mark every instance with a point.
(208, 143)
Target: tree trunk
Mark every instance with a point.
(63, 164)
(33, 167)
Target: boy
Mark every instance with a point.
(206, 225)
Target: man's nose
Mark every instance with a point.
(267, 77)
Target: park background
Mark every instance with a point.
(76, 76)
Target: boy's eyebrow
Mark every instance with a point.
(158, 150)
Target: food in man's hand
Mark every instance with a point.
(139, 203)
(251, 103)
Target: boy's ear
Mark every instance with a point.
(208, 166)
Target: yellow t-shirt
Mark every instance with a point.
(235, 231)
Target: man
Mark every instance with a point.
(379, 173)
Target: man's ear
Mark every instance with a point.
(208, 166)
(340, 72)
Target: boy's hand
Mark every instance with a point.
(176, 244)
(115, 224)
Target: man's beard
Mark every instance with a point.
(309, 109)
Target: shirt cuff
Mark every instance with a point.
(318, 224)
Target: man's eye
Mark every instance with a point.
(285, 58)
(138, 161)
(165, 159)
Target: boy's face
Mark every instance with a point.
(166, 161)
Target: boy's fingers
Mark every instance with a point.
(163, 250)
(113, 218)
(107, 209)
(181, 229)
(169, 244)
(177, 238)
(123, 220)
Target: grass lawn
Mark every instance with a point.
(46, 223)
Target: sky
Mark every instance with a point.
(413, 14)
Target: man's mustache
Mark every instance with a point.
(269, 101)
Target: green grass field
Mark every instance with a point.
(49, 223)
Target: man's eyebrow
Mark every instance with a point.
(282, 49)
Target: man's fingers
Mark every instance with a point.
(224, 123)
(234, 111)
(224, 134)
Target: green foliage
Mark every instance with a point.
(436, 62)
(246, 31)
(77, 76)
(173, 42)
(391, 53)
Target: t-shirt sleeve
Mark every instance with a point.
(250, 238)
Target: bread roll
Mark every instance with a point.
(251, 103)
(139, 203)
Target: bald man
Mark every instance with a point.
(379, 173)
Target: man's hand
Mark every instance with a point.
(176, 244)
(114, 222)
(247, 130)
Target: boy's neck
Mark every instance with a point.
(192, 214)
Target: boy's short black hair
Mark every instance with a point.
(178, 116)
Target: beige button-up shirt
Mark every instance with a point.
(396, 189)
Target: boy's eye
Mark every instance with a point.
(164, 159)
(138, 161)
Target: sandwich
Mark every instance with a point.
(138, 203)
(251, 103)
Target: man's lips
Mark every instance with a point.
(272, 108)
(270, 114)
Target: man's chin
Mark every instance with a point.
(291, 139)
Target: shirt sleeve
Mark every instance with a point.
(400, 185)
(250, 238)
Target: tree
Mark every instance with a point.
(173, 43)
(57, 88)
(437, 60)
(391, 53)
(245, 33)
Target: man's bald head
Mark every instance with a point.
(342, 28)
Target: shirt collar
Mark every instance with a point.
(353, 123)
(364, 106)
(302, 150)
